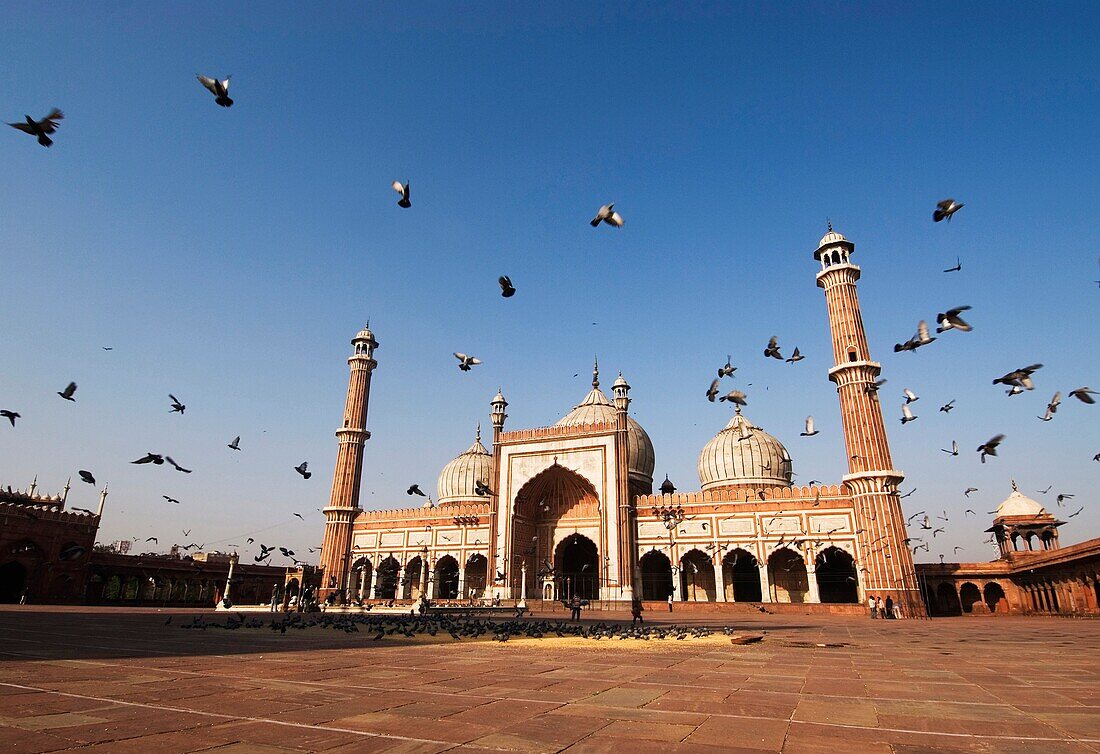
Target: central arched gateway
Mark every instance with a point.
(13, 580)
(578, 566)
(656, 575)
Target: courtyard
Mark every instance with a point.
(117, 680)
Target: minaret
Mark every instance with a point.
(102, 501)
(887, 563)
(498, 417)
(627, 521)
(344, 503)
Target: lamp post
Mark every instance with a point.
(671, 516)
(523, 586)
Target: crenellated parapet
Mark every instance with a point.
(742, 495)
(557, 431)
(445, 512)
(46, 511)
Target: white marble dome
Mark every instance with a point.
(458, 480)
(742, 454)
(596, 408)
(1018, 504)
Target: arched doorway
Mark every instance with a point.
(995, 597)
(969, 596)
(697, 577)
(836, 576)
(656, 575)
(13, 580)
(947, 599)
(413, 580)
(547, 508)
(446, 578)
(787, 574)
(386, 586)
(361, 571)
(578, 568)
(477, 568)
(741, 572)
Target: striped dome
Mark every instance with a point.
(458, 480)
(743, 455)
(596, 409)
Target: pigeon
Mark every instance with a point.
(906, 414)
(1014, 390)
(1071, 515)
(727, 370)
(176, 466)
(150, 458)
(873, 388)
(1063, 497)
(926, 523)
(957, 268)
(1052, 407)
(1096, 457)
(945, 209)
(950, 320)
(957, 548)
(86, 476)
(735, 396)
(481, 488)
(796, 356)
(772, 349)
(968, 490)
(220, 89)
(67, 393)
(301, 469)
(171, 499)
(1084, 394)
(177, 407)
(969, 512)
(954, 449)
(712, 391)
(403, 189)
(1019, 377)
(507, 290)
(414, 489)
(41, 128)
(465, 363)
(910, 396)
(9, 415)
(236, 444)
(607, 214)
(946, 408)
(299, 515)
(922, 338)
(153, 539)
(989, 447)
(810, 431)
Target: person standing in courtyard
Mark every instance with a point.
(575, 608)
(879, 608)
(636, 612)
(871, 604)
(670, 602)
(889, 607)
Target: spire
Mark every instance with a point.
(477, 435)
(829, 223)
(34, 486)
(595, 372)
(1014, 487)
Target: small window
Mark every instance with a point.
(852, 355)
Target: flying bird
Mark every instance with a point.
(1084, 394)
(957, 268)
(968, 490)
(945, 209)
(1063, 497)
(41, 128)
(910, 396)
(177, 407)
(989, 447)
(86, 476)
(1019, 377)
(219, 88)
(950, 320)
(299, 515)
(150, 458)
(301, 469)
(772, 349)
(9, 415)
(236, 444)
(1071, 515)
(969, 512)
(171, 500)
(947, 407)
(727, 370)
(735, 396)
(1052, 407)
(712, 391)
(176, 466)
(481, 488)
(465, 363)
(607, 214)
(921, 338)
(507, 290)
(954, 449)
(1048, 489)
(403, 189)
(873, 388)
(153, 539)
(796, 356)
(907, 414)
(414, 489)
(67, 393)
(810, 431)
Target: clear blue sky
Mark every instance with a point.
(228, 256)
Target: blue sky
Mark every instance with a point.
(228, 256)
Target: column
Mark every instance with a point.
(400, 591)
(811, 582)
(523, 585)
(765, 583)
(373, 579)
(719, 582)
(462, 580)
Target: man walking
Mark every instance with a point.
(636, 612)
(871, 604)
(889, 607)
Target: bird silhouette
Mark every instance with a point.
(68, 392)
(954, 449)
(86, 476)
(154, 458)
(948, 407)
(219, 88)
(772, 349)
(177, 407)
(727, 370)
(171, 500)
(796, 356)
(507, 290)
(712, 391)
(176, 466)
(302, 469)
(236, 444)
(950, 320)
(1084, 394)
(809, 431)
(414, 489)
(921, 338)
(41, 128)
(945, 209)
(403, 189)
(465, 363)
(9, 415)
(989, 447)
(607, 214)
(957, 268)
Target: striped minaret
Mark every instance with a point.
(886, 563)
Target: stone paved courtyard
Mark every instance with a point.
(122, 681)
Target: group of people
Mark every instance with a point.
(879, 609)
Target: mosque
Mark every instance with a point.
(569, 509)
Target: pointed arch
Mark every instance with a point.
(741, 573)
(787, 575)
(697, 577)
(656, 571)
(835, 571)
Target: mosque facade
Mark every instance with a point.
(570, 509)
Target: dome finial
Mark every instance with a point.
(477, 435)
(829, 223)
(1014, 487)
(595, 372)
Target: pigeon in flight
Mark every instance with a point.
(299, 515)
(712, 391)
(414, 489)
(1084, 394)
(1019, 377)
(465, 363)
(772, 349)
(507, 290)
(220, 89)
(1052, 407)
(1064, 497)
(403, 189)
(907, 414)
(607, 214)
(796, 356)
(481, 488)
(945, 209)
(9, 415)
(910, 396)
(171, 500)
(177, 407)
(176, 466)
(41, 128)
(150, 458)
(301, 469)
(989, 447)
(957, 268)
(954, 449)
(727, 370)
(873, 388)
(735, 396)
(1071, 515)
(86, 476)
(236, 444)
(968, 490)
(922, 338)
(810, 431)
(67, 393)
(950, 320)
